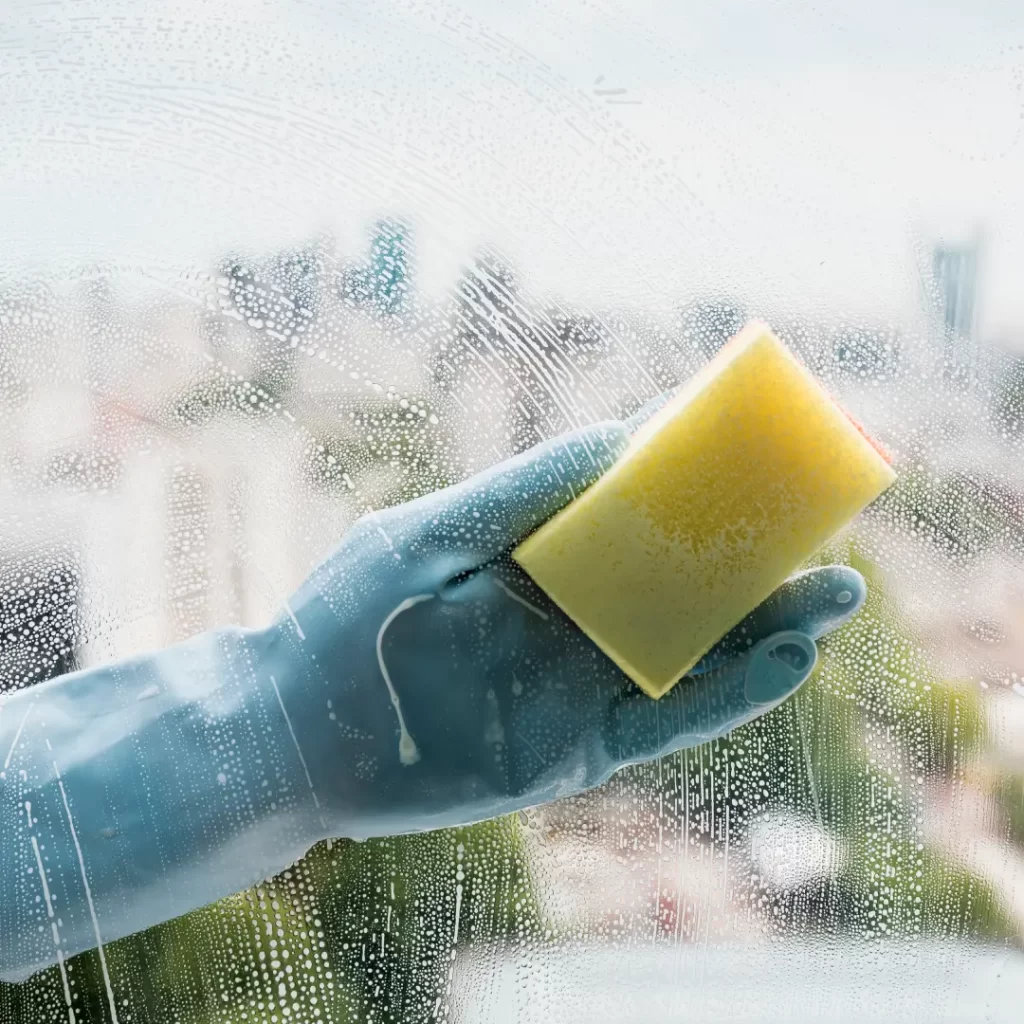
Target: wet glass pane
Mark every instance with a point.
(268, 267)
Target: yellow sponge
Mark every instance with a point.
(721, 495)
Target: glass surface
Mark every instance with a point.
(267, 266)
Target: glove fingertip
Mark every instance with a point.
(779, 666)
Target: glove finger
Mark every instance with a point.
(814, 602)
(490, 512)
(700, 709)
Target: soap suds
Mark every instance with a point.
(408, 752)
(522, 600)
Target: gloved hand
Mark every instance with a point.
(434, 684)
(417, 679)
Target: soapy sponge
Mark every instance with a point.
(721, 495)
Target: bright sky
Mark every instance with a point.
(795, 153)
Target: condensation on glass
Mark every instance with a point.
(268, 267)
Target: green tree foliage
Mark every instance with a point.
(356, 931)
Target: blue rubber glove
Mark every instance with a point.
(418, 679)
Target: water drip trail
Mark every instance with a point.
(408, 752)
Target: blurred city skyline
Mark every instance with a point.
(634, 157)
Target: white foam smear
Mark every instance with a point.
(408, 752)
(522, 600)
(88, 899)
(298, 748)
(17, 736)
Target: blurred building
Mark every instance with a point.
(383, 282)
(954, 282)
